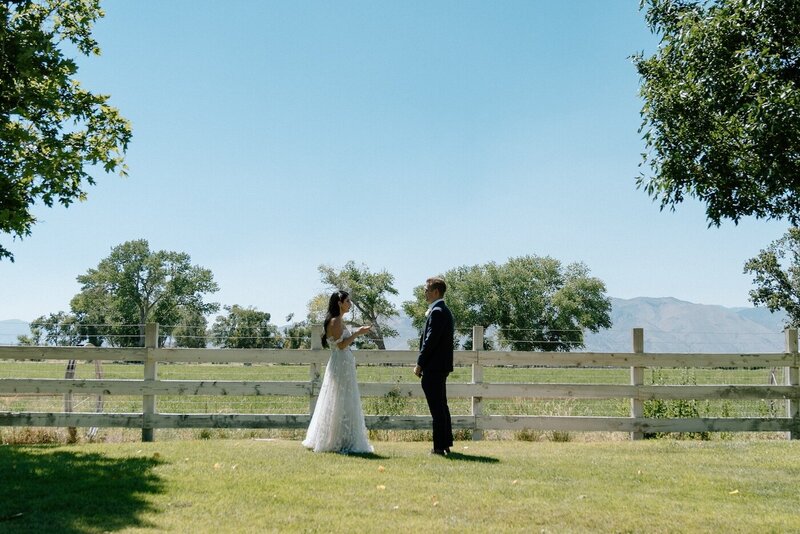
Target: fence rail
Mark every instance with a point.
(149, 387)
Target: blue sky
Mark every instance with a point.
(414, 136)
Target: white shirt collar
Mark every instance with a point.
(431, 305)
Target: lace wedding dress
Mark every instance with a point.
(337, 424)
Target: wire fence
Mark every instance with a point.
(610, 340)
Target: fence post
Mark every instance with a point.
(792, 379)
(149, 401)
(637, 379)
(69, 373)
(477, 378)
(313, 374)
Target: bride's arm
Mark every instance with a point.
(336, 328)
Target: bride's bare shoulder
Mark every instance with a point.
(335, 328)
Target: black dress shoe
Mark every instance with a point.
(438, 452)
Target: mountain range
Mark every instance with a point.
(670, 325)
(10, 329)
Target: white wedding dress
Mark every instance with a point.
(337, 424)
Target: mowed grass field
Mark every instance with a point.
(494, 486)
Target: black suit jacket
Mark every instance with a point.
(436, 343)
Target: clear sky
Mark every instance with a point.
(414, 136)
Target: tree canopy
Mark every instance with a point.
(190, 331)
(776, 272)
(296, 334)
(61, 329)
(134, 286)
(369, 293)
(52, 130)
(533, 302)
(721, 113)
(244, 328)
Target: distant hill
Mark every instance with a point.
(10, 329)
(670, 325)
(406, 332)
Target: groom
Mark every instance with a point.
(435, 362)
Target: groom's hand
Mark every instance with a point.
(418, 371)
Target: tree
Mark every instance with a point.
(134, 286)
(191, 329)
(296, 335)
(244, 328)
(368, 292)
(534, 303)
(721, 114)
(776, 273)
(51, 129)
(59, 329)
(318, 308)
(545, 306)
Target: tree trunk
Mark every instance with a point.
(378, 339)
(142, 321)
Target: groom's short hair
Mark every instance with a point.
(437, 283)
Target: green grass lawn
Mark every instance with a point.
(263, 486)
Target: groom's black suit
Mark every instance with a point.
(436, 360)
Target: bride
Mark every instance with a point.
(337, 424)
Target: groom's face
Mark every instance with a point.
(431, 294)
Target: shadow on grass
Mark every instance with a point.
(367, 455)
(46, 489)
(471, 458)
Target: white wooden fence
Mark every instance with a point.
(150, 387)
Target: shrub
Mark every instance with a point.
(674, 408)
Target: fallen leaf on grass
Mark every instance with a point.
(514, 482)
(381, 469)
(217, 465)
(380, 487)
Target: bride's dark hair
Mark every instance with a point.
(333, 311)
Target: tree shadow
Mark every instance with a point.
(471, 458)
(45, 489)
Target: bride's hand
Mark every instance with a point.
(363, 330)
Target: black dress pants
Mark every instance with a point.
(434, 384)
